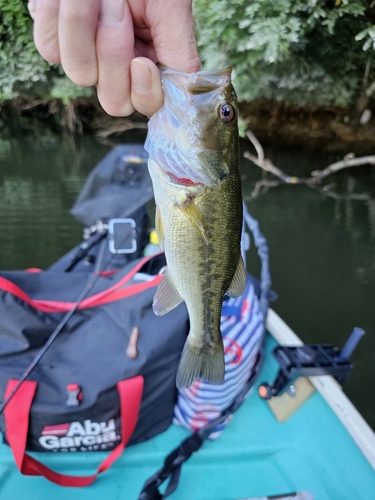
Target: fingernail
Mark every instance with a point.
(141, 76)
(111, 11)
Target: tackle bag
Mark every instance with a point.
(86, 394)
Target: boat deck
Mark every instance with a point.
(255, 456)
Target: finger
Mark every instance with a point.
(77, 27)
(146, 90)
(46, 15)
(32, 8)
(115, 50)
(173, 35)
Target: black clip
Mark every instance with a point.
(310, 361)
(74, 395)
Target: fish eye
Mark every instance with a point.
(226, 113)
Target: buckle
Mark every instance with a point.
(122, 236)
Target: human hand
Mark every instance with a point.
(114, 44)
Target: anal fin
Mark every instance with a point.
(167, 296)
(238, 284)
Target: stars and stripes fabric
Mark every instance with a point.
(242, 328)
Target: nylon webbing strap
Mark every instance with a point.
(173, 462)
(171, 469)
(17, 423)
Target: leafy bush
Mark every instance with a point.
(303, 51)
(21, 67)
(64, 89)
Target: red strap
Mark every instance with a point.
(115, 292)
(121, 293)
(17, 422)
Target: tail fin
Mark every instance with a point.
(207, 364)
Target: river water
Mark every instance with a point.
(321, 243)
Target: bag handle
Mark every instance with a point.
(115, 292)
(17, 423)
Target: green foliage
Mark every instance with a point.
(66, 90)
(21, 67)
(368, 34)
(302, 51)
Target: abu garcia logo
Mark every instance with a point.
(74, 436)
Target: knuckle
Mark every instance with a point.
(112, 56)
(76, 15)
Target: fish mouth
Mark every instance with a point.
(201, 82)
(175, 139)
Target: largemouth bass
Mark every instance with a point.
(193, 148)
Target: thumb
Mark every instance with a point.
(172, 32)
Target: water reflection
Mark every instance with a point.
(322, 257)
(321, 246)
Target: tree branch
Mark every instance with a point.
(265, 164)
(316, 175)
(347, 162)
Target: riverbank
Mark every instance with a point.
(332, 128)
(329, 127)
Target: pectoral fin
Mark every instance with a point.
(191, 211)
(159, 228)
(238, 284)
(167, 296)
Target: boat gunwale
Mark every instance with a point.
(330, 390)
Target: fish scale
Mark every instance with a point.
(199, 219)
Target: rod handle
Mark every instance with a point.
(351, 343)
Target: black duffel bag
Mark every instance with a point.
(86, 393)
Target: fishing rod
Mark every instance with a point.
(85, 247)
(61, 325)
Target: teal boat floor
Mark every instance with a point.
(255, 456)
